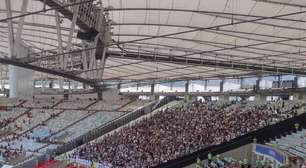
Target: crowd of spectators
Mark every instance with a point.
(9, 154)
(174, 132)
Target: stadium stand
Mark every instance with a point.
(152, 83)
(182, 130)
(37, 126)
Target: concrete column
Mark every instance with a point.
(295, 83)
(152, 88)
(20, 79)
(257, 85)
(99, 95)
(298, 96)
(221, 85)
(241, 83)
(154, 97)
(119, 86)
(224, 98)
(278, 81)
(190, 98)
(75, 85)
(205, 85)
(260, 98)
(187, 87)
(51, 84)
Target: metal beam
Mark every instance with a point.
(205, 12)
(220, 45)
(208, 62)
(10, 28)
(61, 73)
(72, 28)
(21, 21)
(283, 3)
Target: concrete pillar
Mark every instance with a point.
(51, 84)
(278, 81)
(224, 98)
(154, 97)
(241, 83)
(137, 86)
(76, 84)
(43, 84)
(20, 79)
(190, 98)
(221, 85)
(257, 85)
(152, 88)
(295, 96)
(295, 83)
(260, 98)
(119, 87)
(187, 87)
(205, 85)
(99, 95)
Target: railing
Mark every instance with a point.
(262, 135)
(105, 128)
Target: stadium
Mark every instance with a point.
(152, 84)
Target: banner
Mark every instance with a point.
(269, 152)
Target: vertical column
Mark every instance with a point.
(205, 85)
(152, 88)
(119, 87)
(295, 83)
(43, 84)
(153, 96)
(260, 98)
(241, 83)
(278, 81)
(187, 87)
(20, 79)
(99, 93)
(224, 98)
(221, 85)
(257, 86)
(51, 84)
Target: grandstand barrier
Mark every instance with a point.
(262, 135)
(105, 128)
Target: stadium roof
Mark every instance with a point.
(180, 39)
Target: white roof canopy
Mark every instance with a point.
(242, 31)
